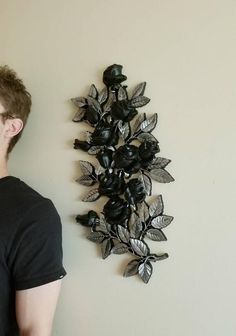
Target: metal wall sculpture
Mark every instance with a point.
(126, 151)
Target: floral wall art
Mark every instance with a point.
(127, 153)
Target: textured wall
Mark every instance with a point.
(186, 52)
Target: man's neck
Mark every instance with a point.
(3, 167)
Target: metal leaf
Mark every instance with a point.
(138, 122)
(122, 93)
(86, 167)
(139, 247)
(94, 104)
(120, 249)
(86, 180)
(161, 175)
(99, 170)
(139, 101)
(94, 150)
(160, 162)
(96, 237)
(103, 95)
(149, 124)
(79, 115)
(131, 268)
(147, 182)
(106, 248)
(156, 235)
(123, 233)
(124, 129)
(161, 222)
(87, 135)
(93, 92)
(92, 196)
(135, 226)
(145, 271)
(146, 137)
(79, 101)
(156, 208)
(107, 106)
(139, 90)
(143, 211)
(103, 225)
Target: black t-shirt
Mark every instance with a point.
(30, 246)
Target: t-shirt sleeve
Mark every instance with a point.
(38, 252)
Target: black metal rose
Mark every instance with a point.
(116, 211)
(111, 184)
(105, 157)
(147, 151)
(112, 75)
(79, 144)
(91, 115)
(127, 157)
(122, 110)
(104, 134)
(89, 219)
(135, 191)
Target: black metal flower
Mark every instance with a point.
(104, 134)
(116, 211)
(147, 151)
(113, 75)
(123, 110)
(111, 184)
(135, 191)
(90, 219)
(127, 157)
(104, 157)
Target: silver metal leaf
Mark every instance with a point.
(156, 207)
(145, 271)
(146, 137)
(122, 93)
(131, 268)
(124, 129)
(96, 237)
(156, 235)
(161, 222)
(103, 225)
(161, 175)
(139, 101)
(149, 124)
(106, 248)
(139, 247)
(85, 180)
(138, 122)
(79, 101)
(94, 150)
(87, 135)
(135, 226)
(94, 104)
(111, 99)
(123, 233)
(86, 167)
(93, 91)
(139, 90)
(143, 211)
(120, 249)
(102, 97)
(147, 182)
(92, 196)
(79, 115)
(160, 162)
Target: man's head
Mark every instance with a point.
(15, 104)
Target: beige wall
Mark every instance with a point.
(186, 52)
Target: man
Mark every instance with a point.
(30, 231)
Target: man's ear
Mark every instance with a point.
(13, 127)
